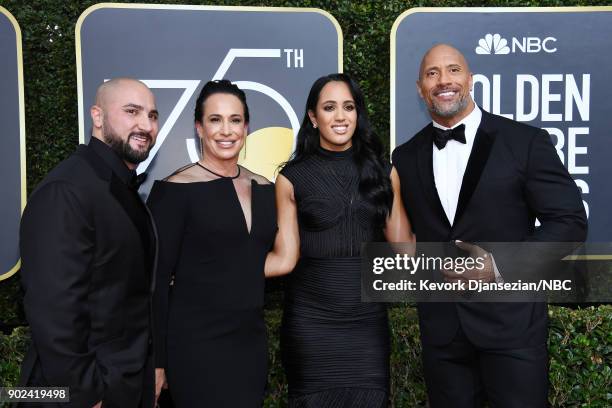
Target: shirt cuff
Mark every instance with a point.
(498, 276)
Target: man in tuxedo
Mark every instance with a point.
(471, 176)
(88, 255)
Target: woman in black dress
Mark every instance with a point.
(216, 222)
(336, 190)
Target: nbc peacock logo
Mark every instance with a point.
(492, 44)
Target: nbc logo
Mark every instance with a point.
(492, 44)
(498, 45)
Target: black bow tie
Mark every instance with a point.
(441, 137)
(137, 180)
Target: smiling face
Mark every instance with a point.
(126, 119)
(222, 128)
(335, 116)
(444, 85)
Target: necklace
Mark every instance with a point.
(219, 175)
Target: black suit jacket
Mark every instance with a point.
(87, 250)
(513, 175)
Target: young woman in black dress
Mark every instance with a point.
(216, 222)
(334, 194)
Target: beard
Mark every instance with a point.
(122, 147)
(448, 111)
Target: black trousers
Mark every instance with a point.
(462, 375)
(146, 401)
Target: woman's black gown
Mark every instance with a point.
(208, 305)
(335, 348)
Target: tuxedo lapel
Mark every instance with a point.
(476, 164)
(127, 200)
(155, 248)
(425, 166)
(136, 212)
(130, 202)
(119, 190)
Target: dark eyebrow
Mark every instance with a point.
(140, 108)
(133, 105)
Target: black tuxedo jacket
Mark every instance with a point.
(513, 175)
(87, 250)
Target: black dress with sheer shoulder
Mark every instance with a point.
(209, 327)
(335, 348)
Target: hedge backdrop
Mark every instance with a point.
(580, 340)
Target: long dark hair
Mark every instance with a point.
(374, 182)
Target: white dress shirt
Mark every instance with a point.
(449, 164)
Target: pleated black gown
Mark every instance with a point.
(335, 348)
(210, 331)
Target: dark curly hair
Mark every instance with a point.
(219, 86)
(374, 181)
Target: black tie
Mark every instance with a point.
(137, 180)
(441, 137)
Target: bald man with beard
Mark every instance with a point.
(471, 176)
(88, 256)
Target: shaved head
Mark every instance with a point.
(105, 92)
(444, 84)
(441, 49)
